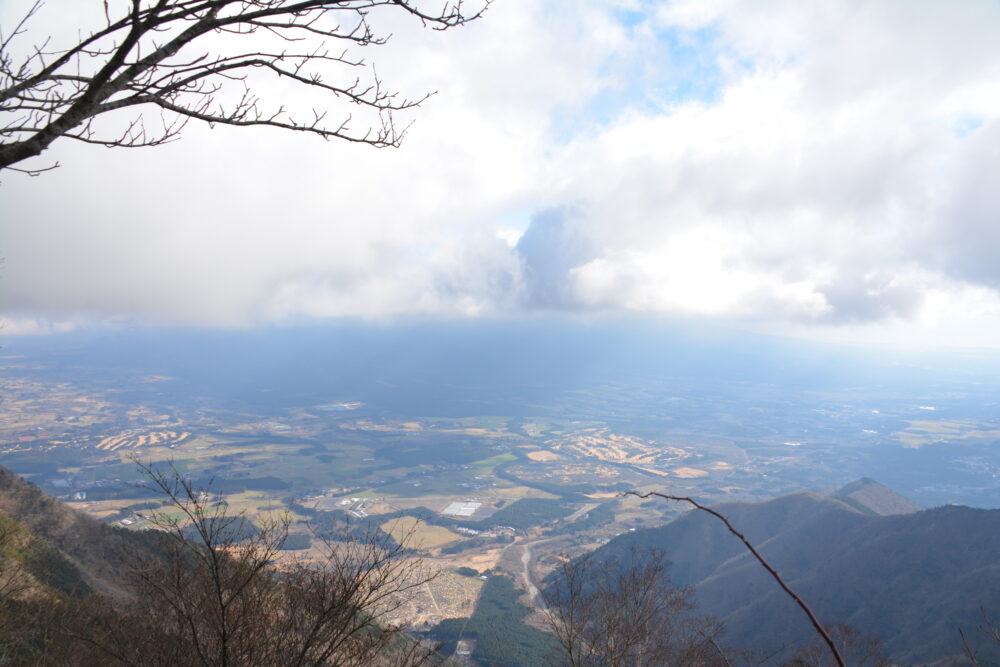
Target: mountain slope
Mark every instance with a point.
(914, 579)
(31, 563)
(870, 497)
(84, 553)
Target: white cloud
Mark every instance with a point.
(831, 163)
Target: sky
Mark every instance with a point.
(825, 170)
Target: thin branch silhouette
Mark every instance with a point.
(167, 56)
(820, 629)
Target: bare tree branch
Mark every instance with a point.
(988, 629)
(822, 631)
(218, 593)
(142, 58)
(626, 613)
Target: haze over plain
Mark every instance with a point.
(598, 193)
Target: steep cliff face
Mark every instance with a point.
(912, 578)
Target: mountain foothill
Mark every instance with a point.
(862, 556)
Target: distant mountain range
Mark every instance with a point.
(864, 556)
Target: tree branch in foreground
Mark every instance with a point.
(822, 631)
(625, 612)
(218, 592)
(201, 60)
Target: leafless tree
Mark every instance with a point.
(858, 648)
(201, 59)
(217, 595)
(820, 629)
(627, 614)
(988, 631)
(14, 581)
(30, 617)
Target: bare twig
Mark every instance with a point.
(217, 593)
(626, 612)
(820, 629)
(973, 656)
(135, 61)
(988, 629)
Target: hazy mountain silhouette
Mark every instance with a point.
(870, 497)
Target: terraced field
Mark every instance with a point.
(603, 445)
(133, 439)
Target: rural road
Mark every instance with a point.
(534, 595)
(580, 512)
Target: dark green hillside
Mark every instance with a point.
(521, 514)
(913, 579)
(497, 625)
(525, 513)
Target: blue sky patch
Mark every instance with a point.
(966, 124)
(682, 65)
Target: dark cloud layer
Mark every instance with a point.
(549, 250)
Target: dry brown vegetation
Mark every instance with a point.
(417, 533)
(134, 439)
(603, 445)
(447, 595)
(688, 473)
(624, 615)
(542, 455)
